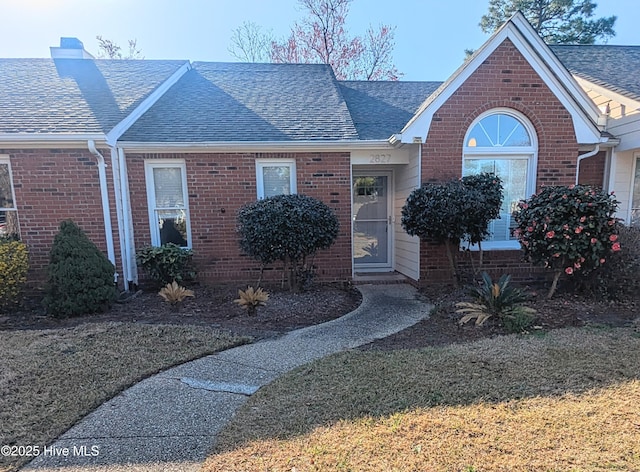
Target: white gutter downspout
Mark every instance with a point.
(104, 192)
(115, 165)
(584, 156)
(127, 221)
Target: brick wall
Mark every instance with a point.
(504, 79)
(52, 185)
(220, 183)
(592, 170)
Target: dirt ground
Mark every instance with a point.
(285, 311)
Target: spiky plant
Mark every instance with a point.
(250, 299)
(175, 294)
(496, 299)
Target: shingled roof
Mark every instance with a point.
(381, 109)
(75, 95)
(614, 67)
(232, 102)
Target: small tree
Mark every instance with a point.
(80, 276)
(287, 228)
(450, 212)
(567, 229)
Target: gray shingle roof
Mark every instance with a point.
(74, 95)
(381, 109)
(218, 102)
(614, 67)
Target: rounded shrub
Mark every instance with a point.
(14, 263)
(80, 277)
(167, 263)
(289, 229)
(568, 229)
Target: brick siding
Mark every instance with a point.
(220, 183)
(504, 79)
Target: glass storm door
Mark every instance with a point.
(371, 221)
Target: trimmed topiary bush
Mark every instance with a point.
(80, 277)
(450, 212)
(568, 229)
(14, 263)
(167, 263)
(289, 229)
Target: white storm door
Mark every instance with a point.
(372, 230)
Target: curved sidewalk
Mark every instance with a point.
(169, 422)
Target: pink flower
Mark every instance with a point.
(594, 240)
(564, 196)
(611, 222)
(578, 230)
(569, 270)
(566, 236)
(557, 254)
(530, 229)
(550, 234)
(577, 265)
(565, 227)
(602, 260)
(583, 219)
(571, 187)
(615, 247)
(613, 237)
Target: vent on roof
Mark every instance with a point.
(70, 48)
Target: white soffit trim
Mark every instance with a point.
(258, 146)
(542, 60)
(44, 140)
(605, 92)
(119, 129)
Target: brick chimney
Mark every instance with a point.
(70, 48)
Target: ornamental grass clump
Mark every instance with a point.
(499, 299)
(175, 294)
(568, 229)
(250, 299)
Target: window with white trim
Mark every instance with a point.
(8, 210)
(275, 177)
(168, 202)
(503, 142)
(634, 219)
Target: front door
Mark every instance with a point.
(372, 221)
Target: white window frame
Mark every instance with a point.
(530, 153)
(149, 166)
(636, 158)
(262, 163)
(5, 159)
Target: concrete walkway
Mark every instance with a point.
(169, 422)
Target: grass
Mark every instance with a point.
(49, 379)
(567, 401)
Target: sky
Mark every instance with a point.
(430, 35)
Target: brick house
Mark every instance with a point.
(147, 152)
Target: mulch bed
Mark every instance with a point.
(286, 311)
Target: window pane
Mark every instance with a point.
(173, 227)
(498, 130)
(9, 223)
(167, 183)
(513, 173)
(276, 180)
(6, 195)
(636, 187)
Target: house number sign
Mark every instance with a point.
(381, 157)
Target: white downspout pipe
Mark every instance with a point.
(584, 156)
(127, 220)
(115, 165)
(104, 192)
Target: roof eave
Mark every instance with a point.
(49, 140)
(253, 146)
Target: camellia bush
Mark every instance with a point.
(289, 229)
(450, 212)
(568, 229)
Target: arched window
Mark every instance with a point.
(503, 141)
